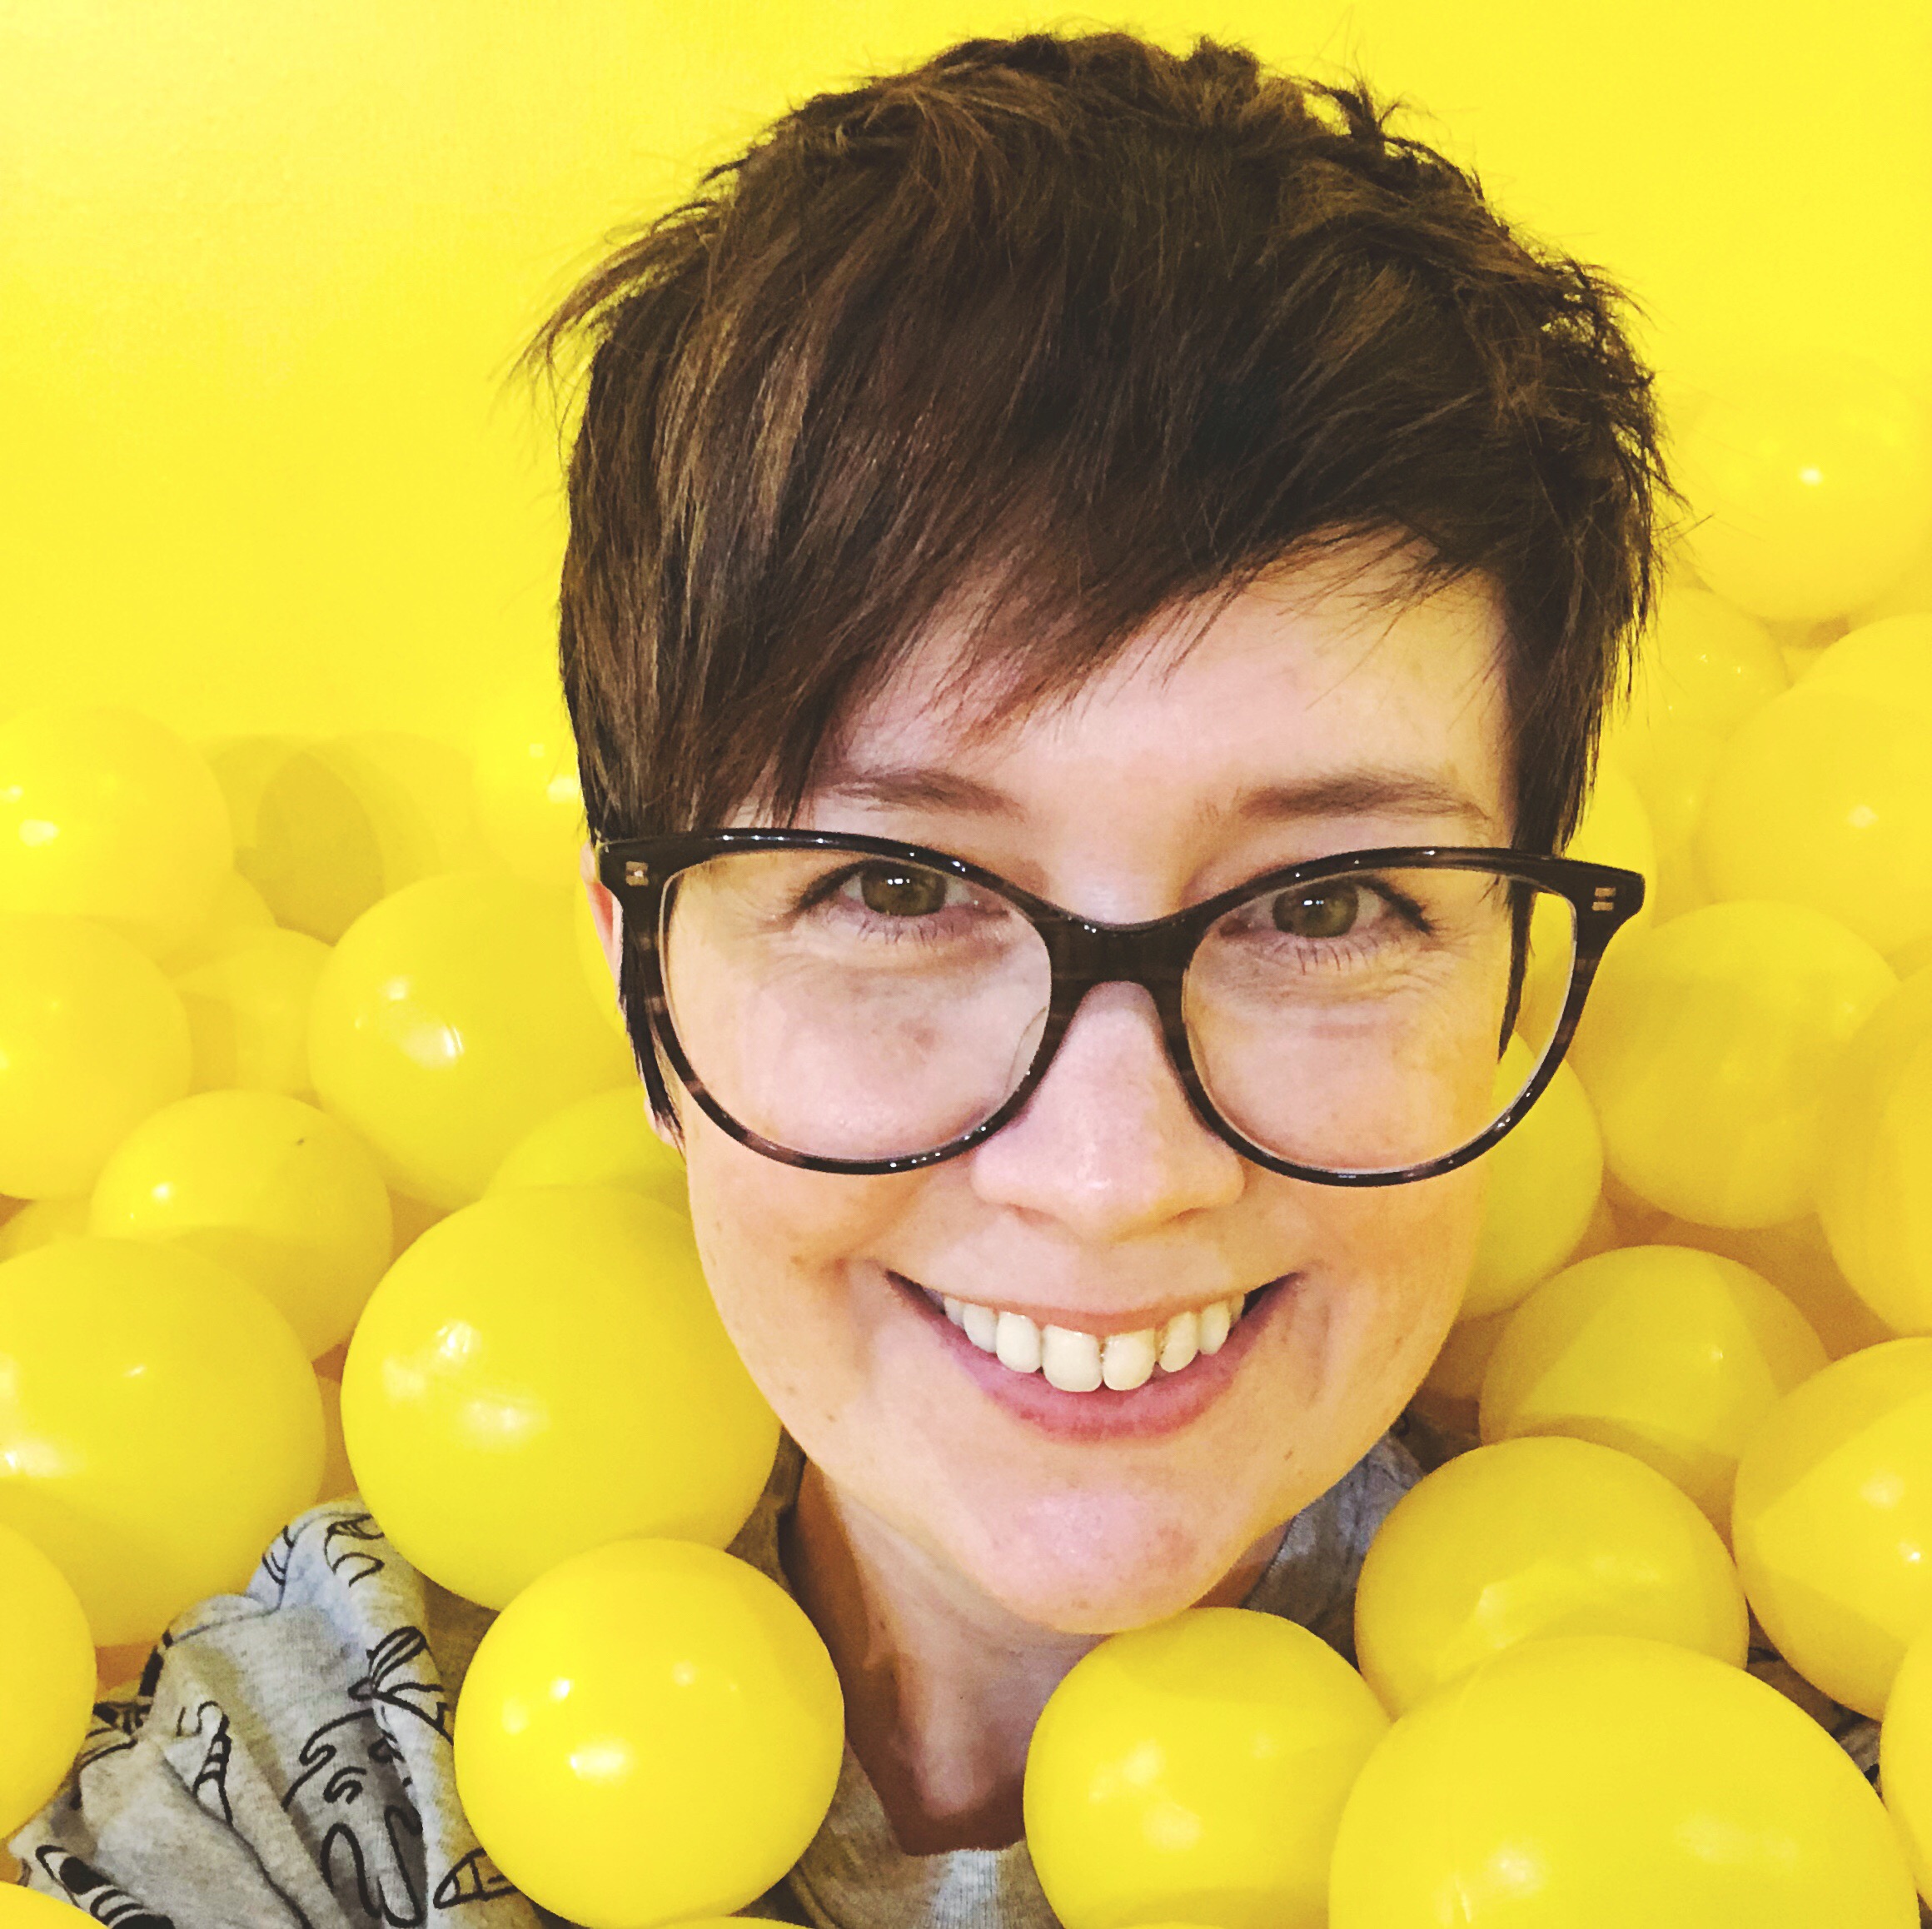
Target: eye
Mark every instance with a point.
(899, 891)
(1326, 910)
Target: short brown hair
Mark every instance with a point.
(1087, 331)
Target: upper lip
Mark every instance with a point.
(1102, 1323)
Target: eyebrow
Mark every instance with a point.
(1366, 791)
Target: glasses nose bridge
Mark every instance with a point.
(1152, 956)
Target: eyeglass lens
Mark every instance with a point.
(857, 1008)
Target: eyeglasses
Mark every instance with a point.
(847, 1003)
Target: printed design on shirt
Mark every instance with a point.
(210, 1787)
(357, 1562)
(331, 1751)
(394, 1681)
(475, 1879)
(87, 1888)
(343, 1854)
(355, 1757)
(151, 1669)
(114, 1730)
(281, 1550)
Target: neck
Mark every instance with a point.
(943, 1685)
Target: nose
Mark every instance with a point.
(1109, 1145)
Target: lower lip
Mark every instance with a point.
(1165, 1404)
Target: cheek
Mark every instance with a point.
(1402, 1255)
(774, 1242)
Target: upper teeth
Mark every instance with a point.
(1076, 1362)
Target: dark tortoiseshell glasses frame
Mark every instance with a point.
(1154, 955)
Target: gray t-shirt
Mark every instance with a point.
(285, 1758)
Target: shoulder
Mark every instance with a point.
(286, 1756)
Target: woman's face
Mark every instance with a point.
(1304, 722)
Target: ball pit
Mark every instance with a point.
(107, 814)
(114, 1354)
(1670, 1355)
(92, 1039)
(19, 1909)
(46, 1678)
(304, 1041)
(1875, 1182)
(692, 1755)
(1705, 1048)
(246, 994)
(278, 1193)
(607, 1139)
(1590, 1781)
(1198, 1765)
(1533, 1538)
(491, 1394)
(1833, 1506)
(451, 1018)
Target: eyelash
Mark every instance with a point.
(833, 882)
(831, 887)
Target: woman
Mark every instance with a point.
(1065, 489)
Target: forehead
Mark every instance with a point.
(1313, 679)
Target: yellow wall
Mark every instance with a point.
(262, 267)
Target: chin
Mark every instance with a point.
(1081, 1563)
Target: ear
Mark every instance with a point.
(606, 912)
(607, 915)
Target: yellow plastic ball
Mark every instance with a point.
(1825, 799)
(1905, 1758)
(247, 1001)
(26, 1909)
(338, 1480)
(604, 1140)
(1449, 1393)
(1890, 659)
(1670, 763)
(1910, 596)
(1671, 1355)
(542, 1372)
(160, 1422)
(1908, 960)
(1615, 830)
(1706, 662)
(1600, 1782)
(105, 813)
(325, 829)
(283, 1194)
(1811, 482)
(1833, 1508)
(42, 1221)
(1874, 1181)
(92, 1039)
(529, 802)
(420, 794)
(652, 1730)
(412, 1218)
(1196, 1767)
(1705, 1048)
(238, 908)
(451, 1019)
(1795, 1258)
(1543, 1182)
(1530, 1538)
(46, 1679)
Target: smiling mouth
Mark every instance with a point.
(1076, 1362)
